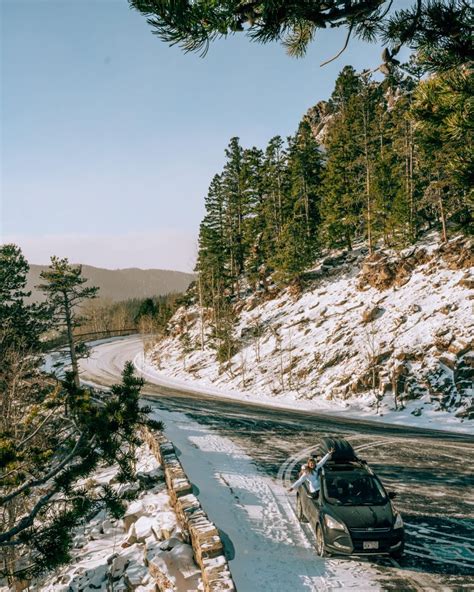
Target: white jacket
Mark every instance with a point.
(312, 478)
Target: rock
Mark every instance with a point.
(148, 478)
(183, 556)
(205, 537)
(442, 331)
(97, 576)
(134, 511)
(416, 412)
(382, 356)
(136, 574)
(371, 314)
(143, 528)
(448, 360)
(168, 544)
(411, 355)
(119, 586)
(216, 575)
(458, 253)
(150, 587)
(154, 559)
(338, 357)
(127, 488)
(164, 524)
(119, 563)
(107, 527)
(131, 537)
(459, 347)
(467, 281)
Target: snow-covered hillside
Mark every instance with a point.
(386, 334)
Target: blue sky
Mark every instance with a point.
(110, 137)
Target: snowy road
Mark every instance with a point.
(240, 457)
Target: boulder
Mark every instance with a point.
(143, 528)
(117, 567)
(135, 575)
(154, 559)
(164, 524)
(134, 511)
(131, 537)
(97, 577)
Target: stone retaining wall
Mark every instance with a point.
(203, 534)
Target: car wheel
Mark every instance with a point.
(398, 554)
(320, 547)
(299, 510)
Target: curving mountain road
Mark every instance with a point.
(241, 457)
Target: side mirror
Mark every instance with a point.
(392, 494)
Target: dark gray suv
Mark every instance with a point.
(353, 514)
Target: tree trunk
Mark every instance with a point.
(200, 310)
(367, 182)
(70, 338)
(348, 240)
(306, 207)
(442, 214)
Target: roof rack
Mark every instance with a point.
(348, 465)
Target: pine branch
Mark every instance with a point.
(80, 444)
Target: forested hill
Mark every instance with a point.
(122, 284)
(378, 161)
(335, 265)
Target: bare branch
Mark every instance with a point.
(37, 429)
(346, 43)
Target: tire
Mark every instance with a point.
(299, 510)
(320, 548)
(398, 554)
(343, 451)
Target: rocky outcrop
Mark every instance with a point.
(383, 270)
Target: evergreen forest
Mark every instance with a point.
(380, 161)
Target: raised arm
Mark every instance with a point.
(324, 460)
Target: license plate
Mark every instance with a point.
(371, 545)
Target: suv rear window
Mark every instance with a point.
(355, 488)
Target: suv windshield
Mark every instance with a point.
(356, 488)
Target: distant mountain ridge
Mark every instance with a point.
(122, 284)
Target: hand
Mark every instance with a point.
(331, 450)
(290, 489)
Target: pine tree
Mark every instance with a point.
(23, 323)
(342, 198)
(213, 256)
(65, 291)
(440, 30)
(236, 207)
(444, 131)
(305, 170)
